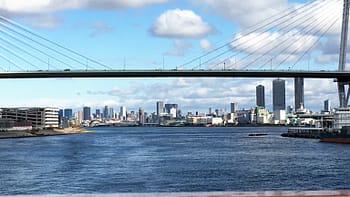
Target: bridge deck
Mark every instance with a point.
(340, 75)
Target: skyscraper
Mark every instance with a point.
(110, 113)
(278, 95)
(299, 93)
(86, 113)
(98, 113)
(141, 116)
(160, 108)
(234, 107)
(122, 114)
(105, 112)
(260, 96)
(327, 105)
(68, 113)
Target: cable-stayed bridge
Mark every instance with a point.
(283, 45)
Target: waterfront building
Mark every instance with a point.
(299, 93)
(280, 117)
(234, 107)
(205, 121)
(160, 108)
(123, 113)
(86, 113)
(39, 118)
(68, 113)
(278, 95)
(245, 116)
(78, 117)
(173, 112)
(260, 96)
(169, 107)
(262, 116)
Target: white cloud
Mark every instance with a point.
(44, 21)
(100, 27)
(48, 6)
(180, 47)
(180, 23)
(41, 12)
(205, 44)
(246, 13)
(272, 43)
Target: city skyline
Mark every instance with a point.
(101, 31)
(162, 107)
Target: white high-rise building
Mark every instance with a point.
(122, 114)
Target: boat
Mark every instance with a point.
(257, 134)
(340, 133)
(337, 136)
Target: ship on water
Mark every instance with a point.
(340, 133)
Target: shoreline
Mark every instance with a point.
(41, 133)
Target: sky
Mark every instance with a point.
(165, 34)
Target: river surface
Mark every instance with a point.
(154, 159)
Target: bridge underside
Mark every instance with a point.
(340, 76)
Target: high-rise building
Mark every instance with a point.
(299, 93)
(141, 116)
(122, 114)
(68, 113)
(105, 112)
(278, 95)
(60, 116)
(260, 96)
(98, 113)
(111, 113)
(86, 113)
(327, 105)
(168, 107)
(160, 108)
(234, 107)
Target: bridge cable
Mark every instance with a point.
(242, 50)
(306, 33)
(32, 47)
(10, 61)
(236, 39)
(319, 38)
(288, 40)
(41, 44)
(21, 49)
(14, 54)
(54, 43)
(256, 28)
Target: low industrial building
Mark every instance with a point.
(37, 118)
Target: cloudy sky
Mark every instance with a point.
(157, 34)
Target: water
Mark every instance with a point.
(112, 160)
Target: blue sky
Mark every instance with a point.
(141, 34)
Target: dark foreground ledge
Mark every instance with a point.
(338, 193)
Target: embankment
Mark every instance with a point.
(40, 133)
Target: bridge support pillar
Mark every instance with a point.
(343, 93)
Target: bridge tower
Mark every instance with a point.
(344, 93)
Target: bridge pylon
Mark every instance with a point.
(344, 86)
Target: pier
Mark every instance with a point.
(303, 132)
